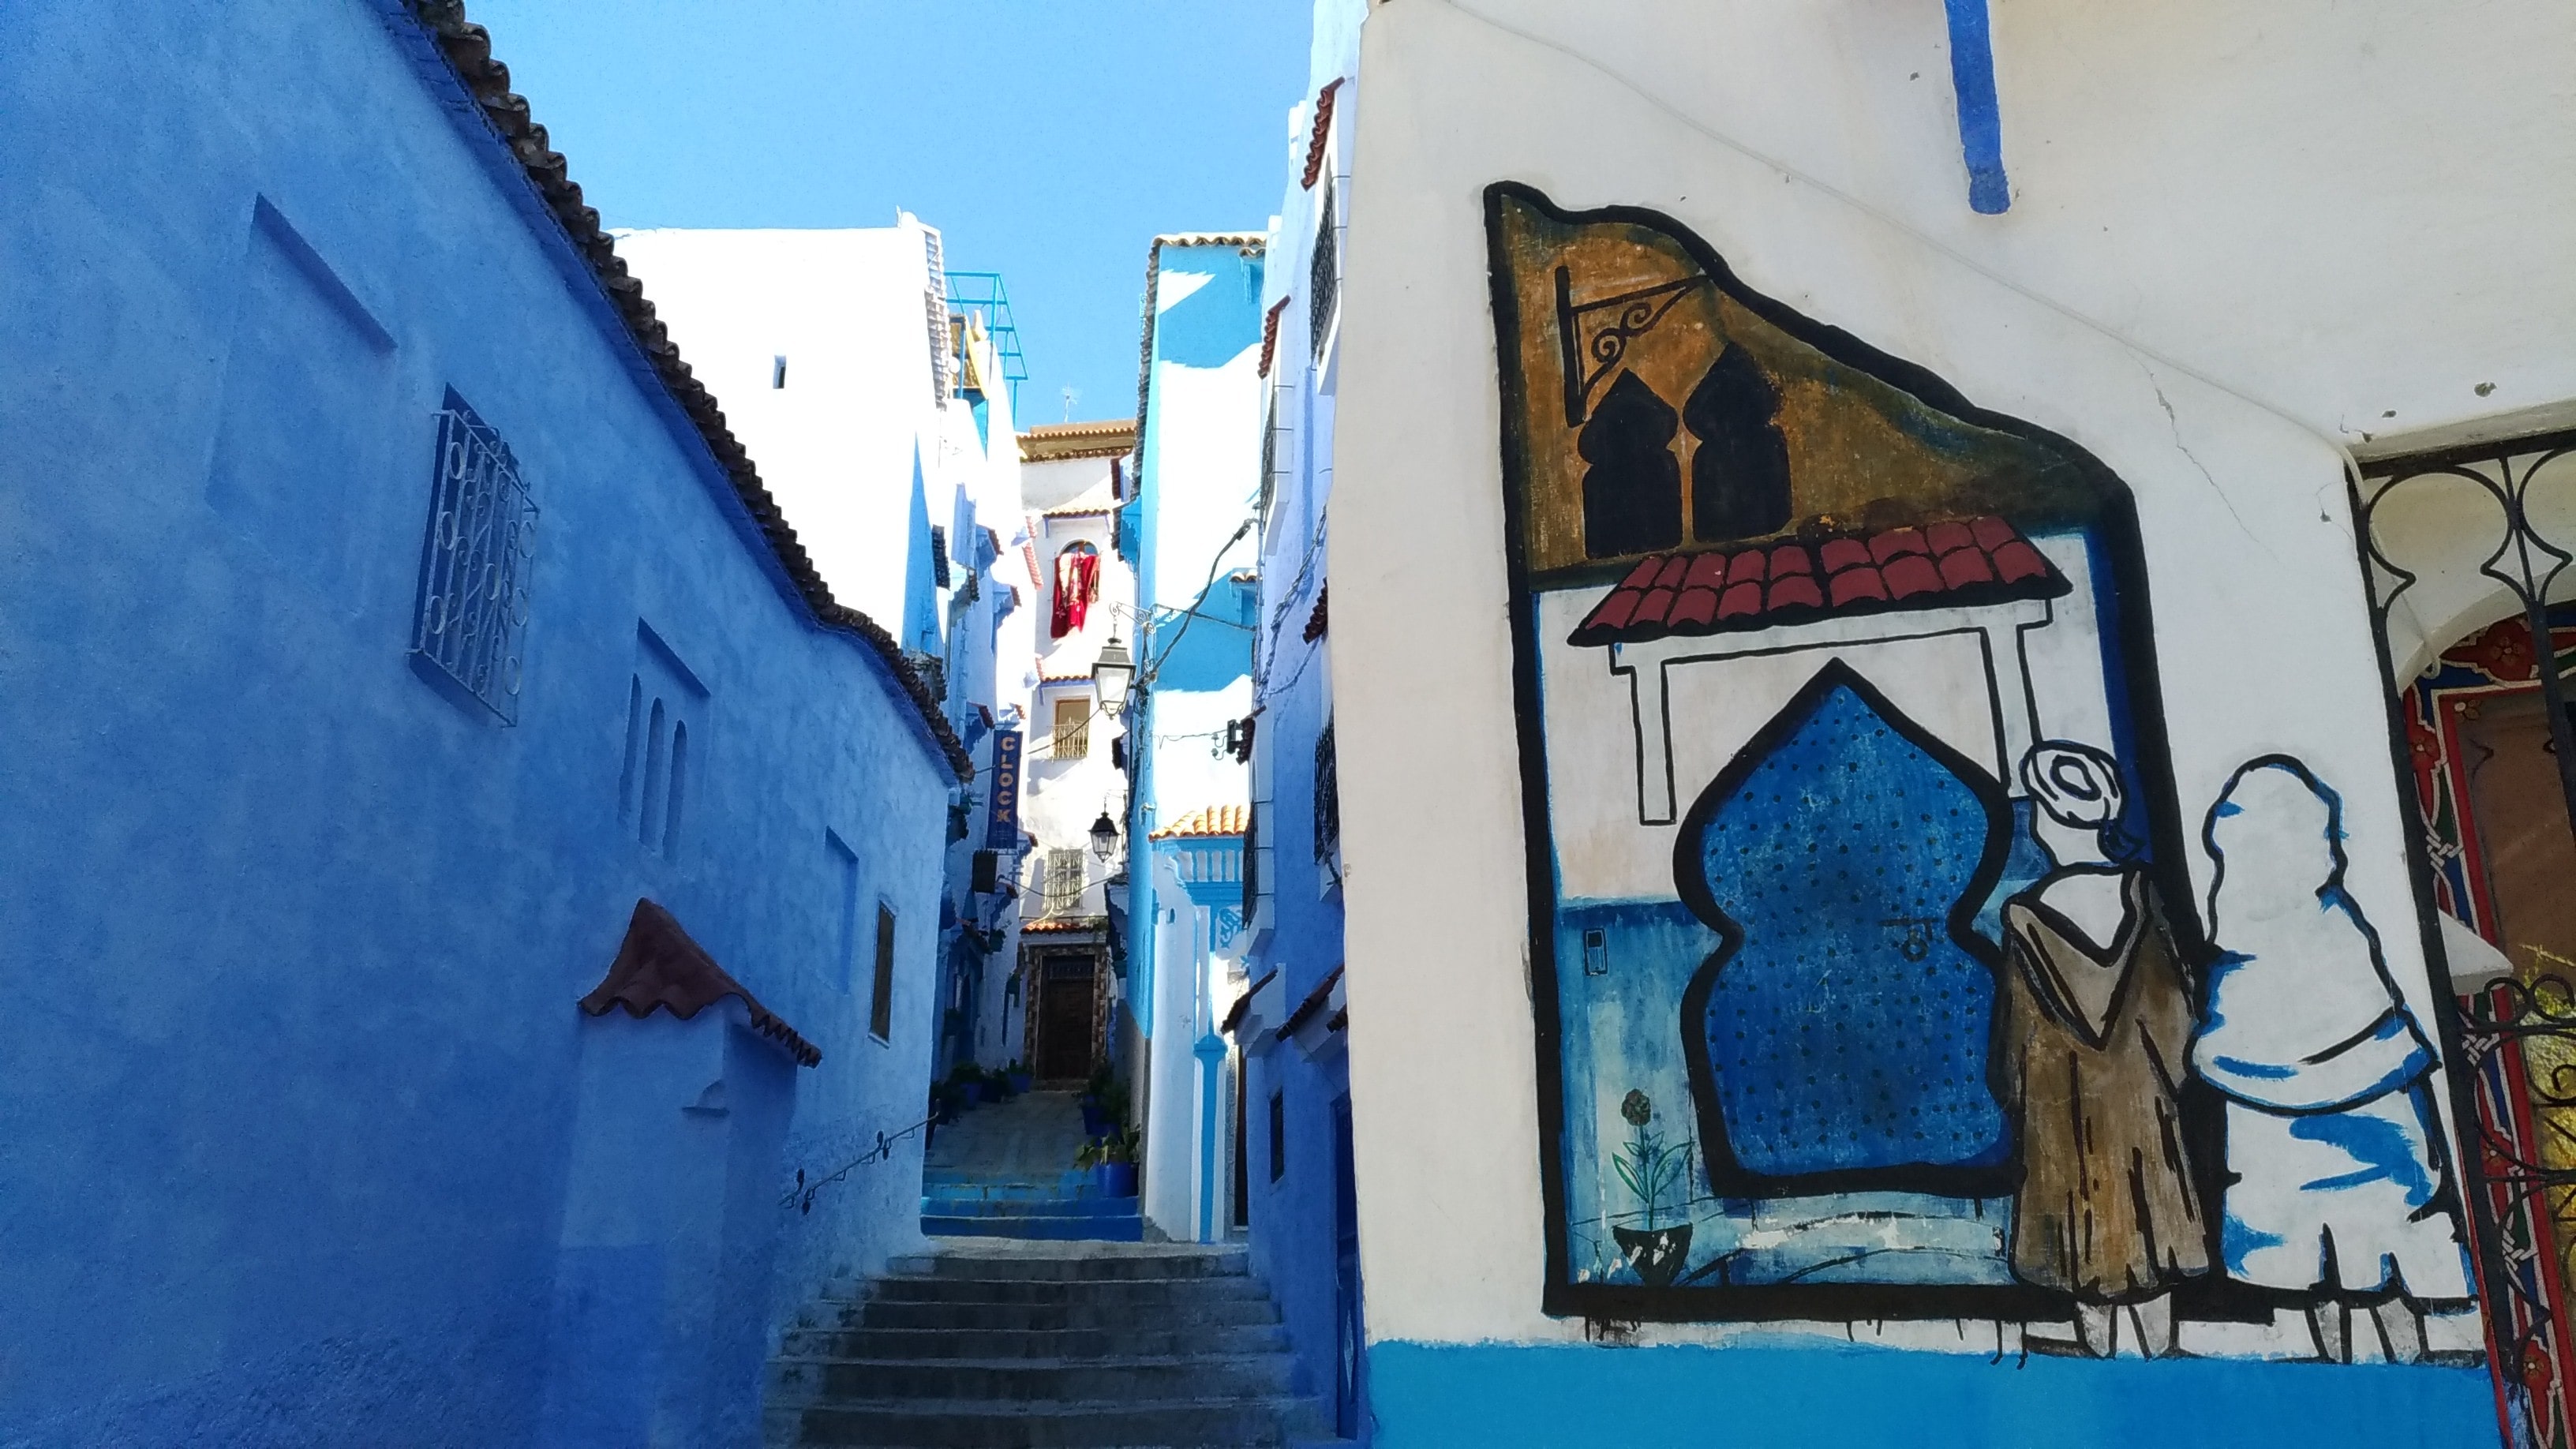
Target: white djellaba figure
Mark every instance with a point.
(2341, 1184)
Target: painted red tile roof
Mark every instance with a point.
(1939, 565)
(1215, 820)
(1321, 130)
(1048, 925)
(658, 967)
(1270, 335)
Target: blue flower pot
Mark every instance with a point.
(1114, 1179)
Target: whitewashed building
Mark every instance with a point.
(1940, 736)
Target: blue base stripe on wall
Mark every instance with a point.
(1437, 1396)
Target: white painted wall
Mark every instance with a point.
(2232, 248)
(836, 444)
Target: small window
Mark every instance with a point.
(1328, 797)
(472, 611)
(1063, 885)
(1072, 728)
(845, 955)
(777, 372)
(881, 990)
(1278, 1135)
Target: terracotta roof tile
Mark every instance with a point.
(1270, 335)
(1320, 622)
(1214, 821)
(467, 49)
(1319, 133)
(1052, 925)
(1941, 565)
(658, 967)
(1049, 442)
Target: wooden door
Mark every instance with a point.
(1065, 1027)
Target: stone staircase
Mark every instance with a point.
(1005, 1170)
(996, 1344)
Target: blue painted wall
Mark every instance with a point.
(1294, 1220)
(296, 1076)
(1499, 1396)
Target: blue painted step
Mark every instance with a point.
(1127, 1229)
(1054, 1207)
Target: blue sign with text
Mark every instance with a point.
(1002, 818)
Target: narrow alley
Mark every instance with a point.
(1317, 724)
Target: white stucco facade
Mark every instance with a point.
(2235, 253)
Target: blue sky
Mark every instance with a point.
(1049, 140)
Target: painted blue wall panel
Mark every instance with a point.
(1498, 1396)
(295, 939)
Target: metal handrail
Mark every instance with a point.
(801, 1196)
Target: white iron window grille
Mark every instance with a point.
(934, 302)
(473, 608)
(1063, 885)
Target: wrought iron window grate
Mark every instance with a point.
(1324, 277)
(472, 612)
(1328, 797)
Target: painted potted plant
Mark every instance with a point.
(1018, 1072)
(1651, 1169)
(1111, 1161)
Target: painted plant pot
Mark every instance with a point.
(1094, 1122)
(1115, 1179)
(1656, 1253)
(1019, 1082)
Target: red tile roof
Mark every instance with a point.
(1213, 821)
(1939, 565)
(1041, 925)
(1270, 335)
(658, 966)
(1316, 137)
(1318, 622)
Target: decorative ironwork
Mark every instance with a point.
(473, 606)
(2518, 1038)
(801, 1196)
(1323, 278)
(2517, 1035)
(2526, 562)
(1617, 321)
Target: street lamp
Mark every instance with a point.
(1111, 673)
(1104, 837)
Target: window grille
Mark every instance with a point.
(1278, 1135)
(1072, 728)
(472, 613)
(1323, 282)
(935, 308)
(881, 990)
(1328, 797)
(1063, 882)
(939, 556)
(1252, 860)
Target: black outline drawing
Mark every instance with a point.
(2137, 702)
(1727, 1177)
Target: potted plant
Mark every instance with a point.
(1018, 1072)
(1651, 1168)
(965, 1085)
(1111, 1161)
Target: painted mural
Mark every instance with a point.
(1871, 983)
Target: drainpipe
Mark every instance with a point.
(1210, 1050)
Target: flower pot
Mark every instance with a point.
(1114, 1179)
(988, 1090)
(1019, 1081)
(1656, 1253)
(1094, 1124)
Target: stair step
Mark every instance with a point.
(1047, 1318)
(1031, 1264)
(1145, 1340)
(950, 1206)
(1127, 1229)
(1125, 1381)
(979, 1424)
(1141, 1292)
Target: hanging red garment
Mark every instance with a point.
(1077, 583)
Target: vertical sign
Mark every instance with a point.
(1002, 820)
